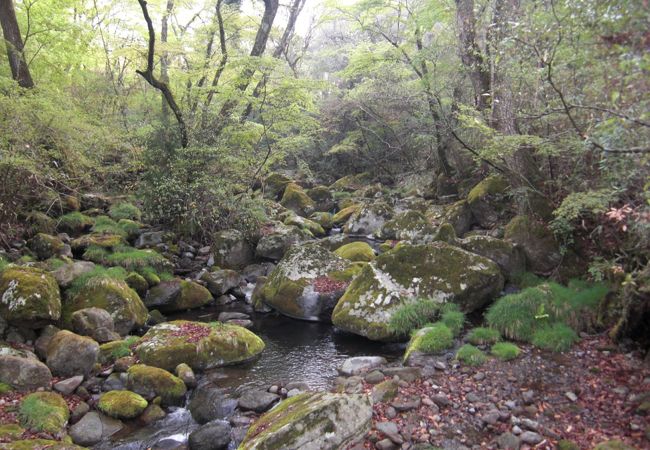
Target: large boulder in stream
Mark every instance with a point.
(409, 225)
(200, 345)
(232, 250)
(297, 200)
(307, 283)
(438, 271)
(369, 219)
(29, 297)
(311, 421)
(177, 295)
(277, 238)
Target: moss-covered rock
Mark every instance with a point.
(115, 296)
(231, 250)
(22, 370)
(122, 404)
(44, 411)
(488, 200)
(344, 214)
(322, 197)
(509, 257)
(409, 225)
(31, 444)
(96, 240)
(459, 216)
(446, 233)
(303, 285)
(40, 222)
(613, 445)
(137, 282)
(201, 346)
(297, 200)
(69, 354)
(177, 295)
(11, 431)
(311, 420)
(306, 224)
(434, 339)
(537, 241)
(369, 219)
(356, 251)
(74, 223)
(324, 219)
(274, 185)
(67, 273)
(111, 351)
(438, 271)
(45, 246)
(151, 382)
(351, 183)
(277, 238)
(29, 297)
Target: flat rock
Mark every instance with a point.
(258, 401)
(360, 364)
(531, 438)
(390, 430)
(92, 428)
(68, 386)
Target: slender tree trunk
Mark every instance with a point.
(220, 68)
(471, 55)
(164, 60)
(14, 44)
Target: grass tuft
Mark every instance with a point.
(483, 336)
(557, 337)
(413, 316)
(505, 351)
(125, 210)
(470, 355)
(455, 320)
(116, 273)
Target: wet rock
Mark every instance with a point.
(360, 364)
(220, 282)
(258, 401)
(232, 315)
(151, 382)
(213, 435)
(210, 403)
(185, 373)
(69, 354)
(94, 427)
(152, 414)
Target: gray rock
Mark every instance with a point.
(390, 430)
(96, 323)
(490, 418)
(209, 403)
(92, 428)
(531, 438)
(374, 377)
(441, 400)
(213, 435)
(220, 282)
(360, 364)
(78, 412)
(407, 404)
(258, 401)
(68, 386)
(150, 239)
(508, 441)
(386, 444)
(232, 315)
(66, 274)
(22, 370)
(571, 396)
(408, 374)
(69, 354)
(232, 250)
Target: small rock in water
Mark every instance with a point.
(230, 315)
(258, 401)
(359, 364)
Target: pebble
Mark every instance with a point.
(274, 389)
(385, 444)
(510, 404)
(391, 412)
(479, 376)
(530, 424)
(571, 396)
(491, 418)
(441, 400)
(390, 430)
(472, 398)
(528, 396)
(439, 365)
(531, 438)
(516, 430)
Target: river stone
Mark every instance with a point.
(232, 250)
(67, 273)
(213, 435)
(438, 271)
(220, 282)
(311, 421)
(92, 428)
(29, 297)
(200, 345)
(151, 382)
(96, 323)
(210, 403)
(297, 200)
(508, 256)
(115, 296)
(43, 340)
(307, 283)
(360, 364)
(177, 295)
(369, 219)
(121, 404)
(68, 386)
(69, 354)
(277, 238)
(22, 370)
(258, 401)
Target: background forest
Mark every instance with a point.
(187, 105)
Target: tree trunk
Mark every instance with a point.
(164, 60)
(471, 55)
(14, 44)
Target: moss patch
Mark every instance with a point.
(29, 296)
(44, 411)
(505, 351)
(122, 404)
(356, 251)
(151, 382)
(470, 355)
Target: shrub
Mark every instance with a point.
(455, 320)
(516, 316)
(414, 315)
(483, 336)
(505, 351)
(470, 355)
(125, 210)
(557, 337)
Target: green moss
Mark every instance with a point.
(470, 355)
(3, 263)
(38, 444)
(297, 200)
(29, 296)
(432, 339)
(11, 431)
(492, 185)
(152, 277)
(505, 351)
(44, 411)
(74, 222)
(455, 320)
(343, 215)
(613, 445)
(483, 336)
(305, 224)
(153, 382)
(124, 210)
(407, 225)
(557, 337)
(567, 445)
(137, 282)
(4, 388)
(131, 258)
(356, 251)
(125, 228)
(45, 246)
(121, 404)
(112, 351)
(527, 279)
(324, 219)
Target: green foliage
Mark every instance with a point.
(74, 221)
(121, 350)
(125, 210)
(413, 315)
(483, 336)
(3, 263)
(125, 227)
(578, 206)
(5, 388)
(557, 337)
(116, 273)
(527, 279)
(505, 351)
(455, 321)
(516, 316)
(132, 259)
(470, 355)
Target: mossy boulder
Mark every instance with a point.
(433, 339)
(306, 224)
(44, 411)
(344, 214)
(459, 216)
(220, 282)
(45, 246)
(324, 219)
(31, 444)
(74, 223)
(200, 345)
(537, 241)
(438, 271)
(613, 445)
(304, 284)
(351, 183)
(69, 354)
(111, 351)
(232, 250)
(322, 197)
(311, 420)
(22, 370)
(11, 431)
(369, 219)
(274, 185)
(40, 222)
(177, 295)
(409, 225)
(137, 282)
(489, 201)
(69, 272)
(277, 238)
(509, 257)
(151, 382)
(122, 404)
(356, 251)
(115, 296)
(96, 323)
(29, 297)
(96, 240)
(297, 200)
